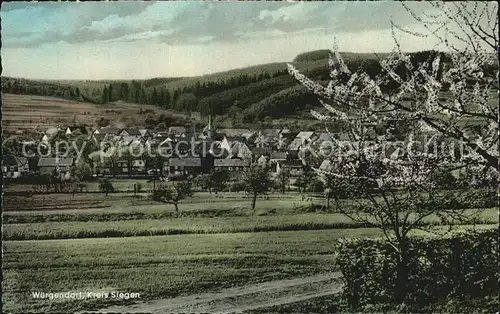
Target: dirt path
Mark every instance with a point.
(242, 298)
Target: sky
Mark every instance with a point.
(137, 40)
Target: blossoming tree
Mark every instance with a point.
(454, 94)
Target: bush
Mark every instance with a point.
(445, 180)
(465, 199)
(483, 199)
(235, 187)
(316, 186)
(138, 187)
(463, 265)
(106, 187)
(276, 186)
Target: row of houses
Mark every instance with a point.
(280, 139)
(189, 151)
(15, 167)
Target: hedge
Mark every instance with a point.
(461, 265)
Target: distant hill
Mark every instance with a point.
(243, 95)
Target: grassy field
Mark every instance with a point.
(186, 225)
(121, 185)
(159, 266)
(214, 241)
(29, 112)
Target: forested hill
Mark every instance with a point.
(249, 94)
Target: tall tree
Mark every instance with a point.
(448, 93)
(397, 193)
(173, 193)
(283, 178)
(305, 179)
(154, 97)
(218, 180)
(105, 95)
(257, 182)
(106, 187)
(110, 92)
(186, 102)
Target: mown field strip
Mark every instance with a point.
(149, 207)
(189, 225)
(149, 227)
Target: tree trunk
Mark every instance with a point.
(402, 273)
(328, 201)
(254, 199)
(176, 207)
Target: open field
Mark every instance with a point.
(158, 266)
(29, 112)
(152, 227)
(126, 202)
(229, 247)
(121, 185)
(143, 227)
(63, 216)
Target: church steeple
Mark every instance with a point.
(210, 133)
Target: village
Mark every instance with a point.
(174, 152)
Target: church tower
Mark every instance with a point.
(210, 133)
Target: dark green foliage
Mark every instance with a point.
(463, 199)
(312, 55)
(215, 181)
(316, 186)
(284, 102)
(237, 186)
(282, 180)
(461, 265)
(305, 179)
(173, 193)
(257, 182)
(348, 188)
(164, 120)
(106, 187)
(186, 102)
(218, 180)
(81, 171)
(220, 102)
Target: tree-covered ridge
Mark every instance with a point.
(254, 92)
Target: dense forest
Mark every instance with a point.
(244, 95)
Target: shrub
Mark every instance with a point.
(461, 265)
(316, 186)
(106, 187)
(236, 187)
(138, 187)
(483, 198)
(445, 180)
